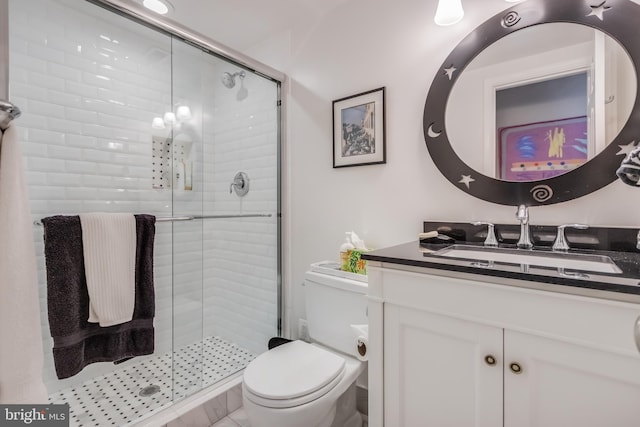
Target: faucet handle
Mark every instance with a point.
(522, 213)
(561, 244)
(491, 234)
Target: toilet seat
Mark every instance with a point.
(292, 374)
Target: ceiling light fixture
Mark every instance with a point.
(156, 6)
(448, 12)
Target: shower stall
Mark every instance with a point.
(122, 114)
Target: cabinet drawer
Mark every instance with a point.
(585, 321)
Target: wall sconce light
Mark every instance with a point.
(183, 113)
(629, 170)
(158, 123)
(169, 118)
(448, 12)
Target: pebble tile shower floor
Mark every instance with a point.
(123, 396)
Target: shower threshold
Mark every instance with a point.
(124, 395)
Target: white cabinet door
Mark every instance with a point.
(435, 372)
(563, 384)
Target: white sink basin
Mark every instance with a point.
(569, 261)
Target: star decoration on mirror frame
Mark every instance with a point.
(466, 180)
(449, 71)
(599, 10)
(626, 149)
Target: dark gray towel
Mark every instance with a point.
(76, 342)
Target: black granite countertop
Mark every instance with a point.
(425, 255)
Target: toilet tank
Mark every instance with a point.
(333, 304)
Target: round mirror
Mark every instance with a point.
(553, 96)
(539, 104)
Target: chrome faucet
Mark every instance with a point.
(490, 240)
(525, 239)
(561, 244)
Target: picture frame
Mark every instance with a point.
(359, 129)
(542, 150)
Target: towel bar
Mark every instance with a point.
(191, 218)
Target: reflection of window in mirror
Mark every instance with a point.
(542, 128)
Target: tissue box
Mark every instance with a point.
(354, 262)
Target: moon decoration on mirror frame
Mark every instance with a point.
(616, 19)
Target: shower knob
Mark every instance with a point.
(240, 183)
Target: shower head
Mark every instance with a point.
(229, 80)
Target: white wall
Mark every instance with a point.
(361, 46)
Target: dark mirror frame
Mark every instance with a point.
(619, 20)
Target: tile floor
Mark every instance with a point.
(238, 418)
(224, 410)
(119, 397)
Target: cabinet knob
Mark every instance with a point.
(515, 368)
(490, 360)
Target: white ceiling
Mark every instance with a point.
(241, 24)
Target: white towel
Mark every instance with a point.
(20, 330)
(109, 247)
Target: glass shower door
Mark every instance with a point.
(225, 174)
(241, 280)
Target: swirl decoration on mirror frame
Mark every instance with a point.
(510, 19)
(541, 193)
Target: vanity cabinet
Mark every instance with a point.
(435, 373)
(460, 351)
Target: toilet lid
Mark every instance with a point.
(292, 370)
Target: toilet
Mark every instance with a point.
(300, 384)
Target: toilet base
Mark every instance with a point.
(342, 413)
(346, 413)
(354, 421)
(298, 416)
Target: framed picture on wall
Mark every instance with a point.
(359, 129)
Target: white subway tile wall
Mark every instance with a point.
(89, 84)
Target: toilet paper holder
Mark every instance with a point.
(361, 340)
(362, 348)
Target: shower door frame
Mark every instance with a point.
(226, 53)
(4, 49)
